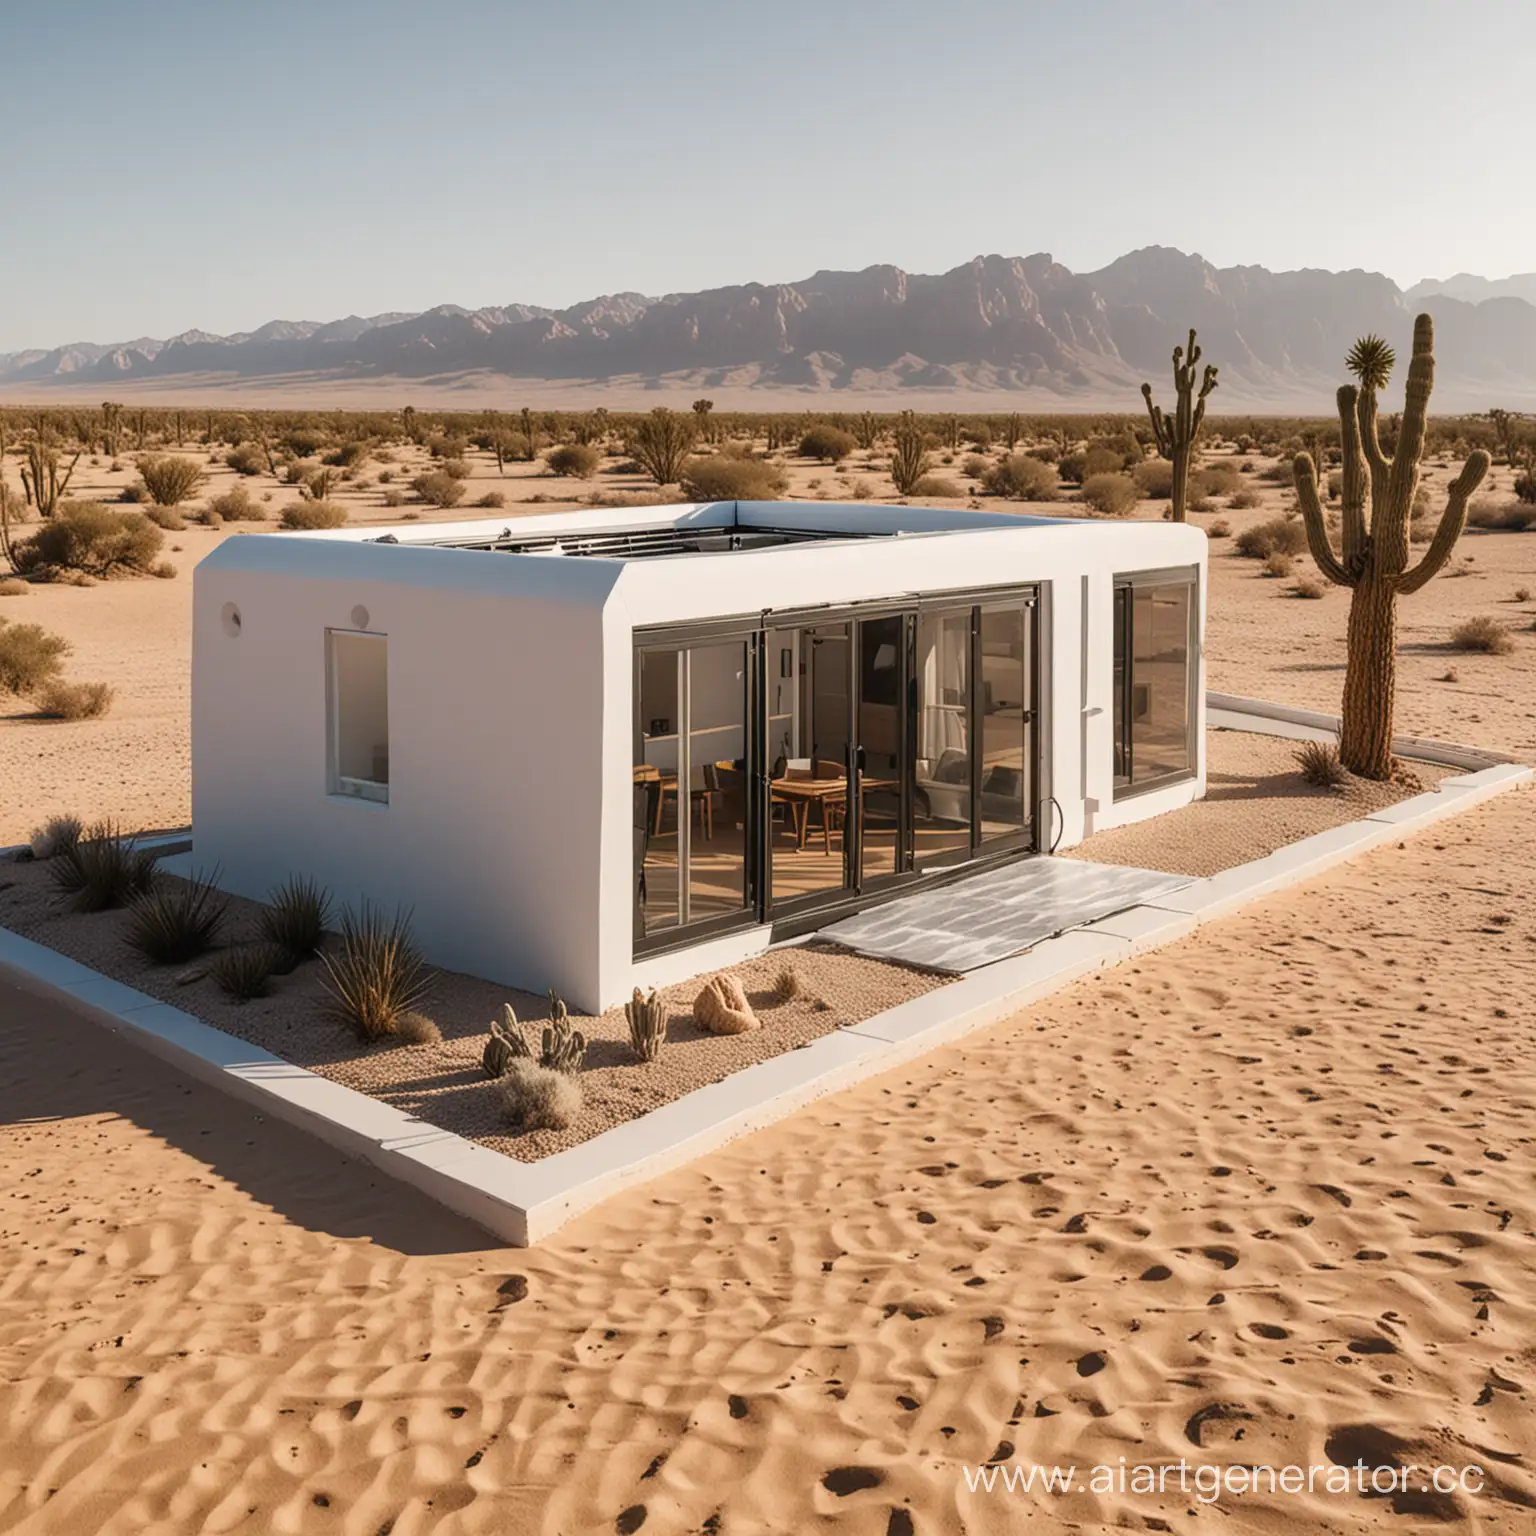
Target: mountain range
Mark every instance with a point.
(1025, 330)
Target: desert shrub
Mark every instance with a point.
(786, 985)
(245, 971)
(176, 920)
(1320, 765)
(492, 499)
(1278, 473)
(54, 836)
(101, 869)
(829, 444)
(447, 446)
(317, 484)
(347, 455)
(1099, 459)
(975, 465)
(58, 700)
(1113, 494)
(377, 976)
(386, 476)
(438, 489)
(1154, 479)
(163, 569)
(136, 495)
(1072, 467)
(458, 468)
(301, 442)
(393, 498)
(30, 657)
(1311, 587)
(861, 490)
(1335, 485)
(418, 1029)
(537, 1098)
(1485, 634)
(295, 916)
(1278, 564)
(304, 515)
(716, 478)
(234, 506)
(1220, 529)
(1509, 517)
(980, 433)
(935, 485)
(12, 586)
(1280, 535)
(246, 459)
(1220, 479)
(1022, 478)
(1200, 504)
(1522, 594)
(168, 518)
(1525, 486)
(88, 537)
(578, 461)
(170, 478)
(1243, 500)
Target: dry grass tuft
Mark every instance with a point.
(378, 976)
(1483, 633)
(58, 700)
(1320, 765)
(539, 1098)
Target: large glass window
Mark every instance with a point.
(358, 706)
(690, 784)
(1154, 681)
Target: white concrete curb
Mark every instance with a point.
(524, 1202)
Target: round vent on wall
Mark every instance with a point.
(231, 620)
(359, 617)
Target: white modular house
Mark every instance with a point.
(607, 749)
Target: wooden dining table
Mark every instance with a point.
(825, 793)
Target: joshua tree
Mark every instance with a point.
(40, 478)
(660, 443)
(701, 409)
(866, 430)
(1176, 438)
(531, 433)
(909, 461)
(1373, 559)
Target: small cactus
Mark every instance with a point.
(506, 1043)
(563, 1048)
(647, 1024)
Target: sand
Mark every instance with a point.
(1255, 802)
(1315, 1116)
(1277, 1178)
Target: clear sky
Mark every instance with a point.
(180, 163)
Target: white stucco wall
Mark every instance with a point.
(509, 824)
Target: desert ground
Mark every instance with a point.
(1261, 1198)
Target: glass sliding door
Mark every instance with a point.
(692, 810)
(1005, 678)
(941, 791)
(658, 692)
(881, 746)
(810, 735)
(717, 780)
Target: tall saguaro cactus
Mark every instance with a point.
(1374, 554)
(1176, 438)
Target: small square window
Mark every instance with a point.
(358, 714)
